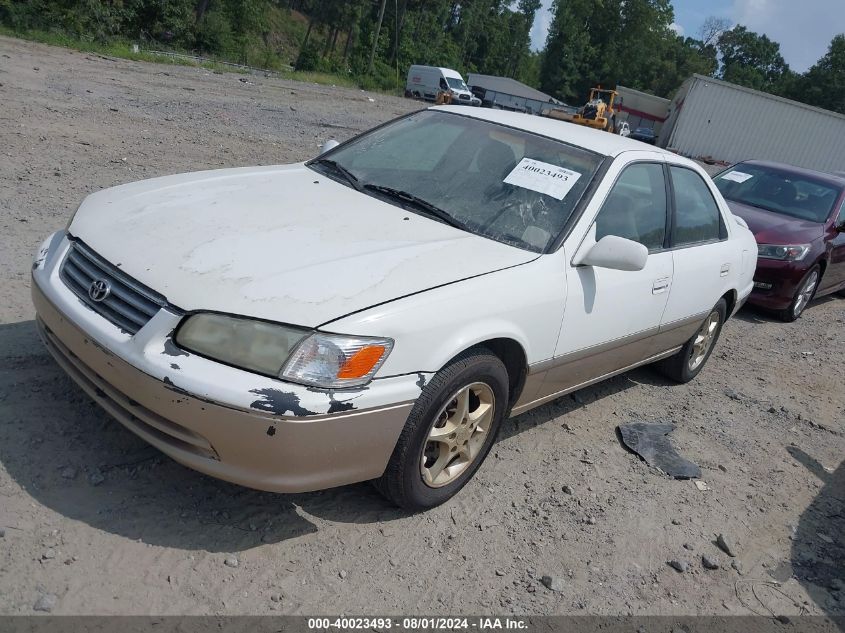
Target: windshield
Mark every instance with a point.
(779, 191)
(456, 84)
(505, 184)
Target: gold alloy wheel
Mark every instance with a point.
(704, 340)
(458, 434)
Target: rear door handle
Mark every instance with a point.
(723, 272)
(660, 285)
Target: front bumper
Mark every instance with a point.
(228, 423)
(784, 278)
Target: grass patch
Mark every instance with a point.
(115, 48)
(123, 50)
(316, 77)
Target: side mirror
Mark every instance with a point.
(616, 253)
(330, 144)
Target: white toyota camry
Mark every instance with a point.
(377, 312)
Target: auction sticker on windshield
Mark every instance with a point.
(541, 177)
(737, 176)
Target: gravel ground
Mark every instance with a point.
(92, 520)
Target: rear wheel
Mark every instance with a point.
(449, 432)
(805, 293)
(690, 360)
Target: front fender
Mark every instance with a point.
(524, 303)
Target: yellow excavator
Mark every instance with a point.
(600, 111)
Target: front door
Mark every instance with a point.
(613, 316)
(835, 274)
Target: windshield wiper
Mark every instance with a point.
(343, 171)
(423, 205)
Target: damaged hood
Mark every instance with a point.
(280, 243)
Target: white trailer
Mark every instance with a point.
(710, 117)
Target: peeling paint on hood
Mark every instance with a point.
(281, 243)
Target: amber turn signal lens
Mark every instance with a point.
(361, 362)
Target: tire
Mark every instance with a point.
(803, 295)
(690, 360)
(419, 476)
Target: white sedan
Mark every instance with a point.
(377, 312)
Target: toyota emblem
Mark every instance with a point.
(99, 290)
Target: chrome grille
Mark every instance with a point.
(129, 305)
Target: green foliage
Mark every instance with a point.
(214, 32)
(607, 42)
(309, 58)
(823, 85)
(567, 67)
(751, 60)
(590, 42)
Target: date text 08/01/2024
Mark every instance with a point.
(418, 623)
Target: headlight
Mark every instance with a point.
(246, 343)
(330, 361)
(333, 361)
(789, 253)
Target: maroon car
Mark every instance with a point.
(798, 218)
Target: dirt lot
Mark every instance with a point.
(94, 517)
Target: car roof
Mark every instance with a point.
(596, 141)
(831, 179)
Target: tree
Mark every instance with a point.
(686, 56)
(751, 60)
(522, 21)
(568, 52)
(823, 85)
(375, 39)
(610, 42)
(712, 29)
(645, 44)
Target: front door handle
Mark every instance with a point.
(660, 285)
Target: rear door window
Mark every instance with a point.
(697, 217)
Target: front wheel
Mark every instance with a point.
(803, 296)
(690, 360)
(449, 432)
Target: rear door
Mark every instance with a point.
(703, 258)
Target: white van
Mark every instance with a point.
(424, 82)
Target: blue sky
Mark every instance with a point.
(803, 28)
